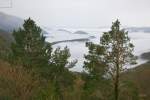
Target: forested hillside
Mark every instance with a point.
(31, 69)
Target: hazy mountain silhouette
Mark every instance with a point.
(8, 23)
(138, 29)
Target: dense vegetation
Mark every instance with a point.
(30, 69)
(140, 77)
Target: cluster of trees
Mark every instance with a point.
(104, 64)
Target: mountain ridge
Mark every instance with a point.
(9, 23)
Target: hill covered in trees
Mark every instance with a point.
(30, 69)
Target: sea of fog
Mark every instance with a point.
(75, 40)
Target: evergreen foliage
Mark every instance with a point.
(30, 48)
(114, 52)
(40, 73)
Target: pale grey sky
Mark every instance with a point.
(82, 13)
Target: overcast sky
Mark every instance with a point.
(82, 13)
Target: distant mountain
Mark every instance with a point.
(63, 30)
(80, 32)
(146, 56)
(72, 40)
(138, 29)
(8, 23)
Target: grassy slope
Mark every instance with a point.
(141, 77)
(15, 83)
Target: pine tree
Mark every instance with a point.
(60, 74)
(114, 52)
(94, 63)
(30, 48)
(36, 55)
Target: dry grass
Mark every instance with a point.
(141, 77)
(15, 83)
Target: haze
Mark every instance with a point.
(82, 13)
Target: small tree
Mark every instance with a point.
(96, 85)
(114, 52)
(63, 79)
(94, 64)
